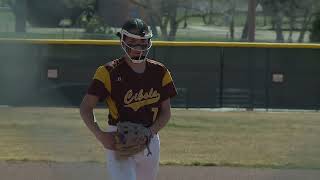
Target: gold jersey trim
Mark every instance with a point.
(103, 75)
(112, 108)
(166, 79)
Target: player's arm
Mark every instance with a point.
(168, 90)
(163, 117)
(98, 91)
(86, 111)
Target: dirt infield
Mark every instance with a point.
(84, 171)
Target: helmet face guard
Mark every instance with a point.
(141, 48)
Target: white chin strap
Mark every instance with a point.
(143, 52)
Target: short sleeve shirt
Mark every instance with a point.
(131, 96)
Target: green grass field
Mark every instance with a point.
(193, 137)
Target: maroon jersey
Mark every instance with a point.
(131, 96)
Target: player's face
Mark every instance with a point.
(136, 45)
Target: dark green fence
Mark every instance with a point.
(212, 75)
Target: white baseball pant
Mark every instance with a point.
(137, 167)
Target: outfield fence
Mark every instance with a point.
(44, 72)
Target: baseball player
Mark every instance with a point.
(136, 89)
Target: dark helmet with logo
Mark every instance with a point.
(136, 29)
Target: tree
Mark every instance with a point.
(92, 22)
(315, 30)
(231, 13)
(292, 10)
(227, 8)
(20, 16)
(292, 19)
(47, 13)
(210, 11)
(165, 14)
(309, 8)
(245, 30)
(276, 9)
(19, 9)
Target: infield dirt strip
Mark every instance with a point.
(16, 170)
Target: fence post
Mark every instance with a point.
(267, 80)
(251, 79)
(221, 80)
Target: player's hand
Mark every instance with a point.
(107, 139)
